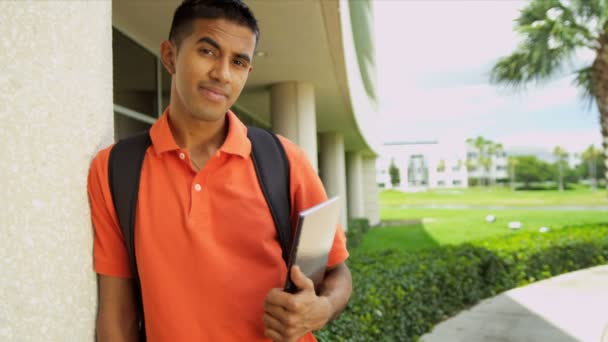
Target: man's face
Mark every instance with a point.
(211, 67)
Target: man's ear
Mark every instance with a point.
(168, 55)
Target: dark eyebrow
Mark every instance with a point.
(210, 42)
(213, 43)
(244, 56)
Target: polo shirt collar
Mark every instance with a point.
(236, 141)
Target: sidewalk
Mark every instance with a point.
(569, 307)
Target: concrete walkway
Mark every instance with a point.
(569, 307)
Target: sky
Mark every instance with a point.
(433, 60)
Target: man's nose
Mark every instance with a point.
(221, 71)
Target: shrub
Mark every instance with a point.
(400, 295)
(356, 230)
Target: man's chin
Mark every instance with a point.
(208, 116)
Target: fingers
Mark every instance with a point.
(273, 324)
(278, 297)
(281, 329)
(277, 312)
(273, 335)
(301, 280)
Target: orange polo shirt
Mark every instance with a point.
(207, 248)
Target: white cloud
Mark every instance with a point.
(415, 37)
(462, 103)
(423, 46)
(572, 141)
(557, 94)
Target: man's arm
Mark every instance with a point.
(337, 287)
(290, 316)
(117, 316)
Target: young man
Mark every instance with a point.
(209, 261)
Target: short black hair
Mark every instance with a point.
(189, 10)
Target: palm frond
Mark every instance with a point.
(536, 11)
(584, 82)
(552, 33)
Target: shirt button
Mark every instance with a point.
(197, 187)
(182, 156)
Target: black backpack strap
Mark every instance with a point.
(124, 171)
(272, 168)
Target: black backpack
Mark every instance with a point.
(124, 170)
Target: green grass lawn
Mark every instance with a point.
(437, 227)
(497, 196)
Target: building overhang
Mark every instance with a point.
(307, 41)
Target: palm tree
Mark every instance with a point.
(486, 162)
(441, 166)
(512, 166)
(500, 151)
(554, 31)
(479, 144)
(590, 155)
(560, 154)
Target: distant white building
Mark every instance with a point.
(423, 165)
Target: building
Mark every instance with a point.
(423, 165)
(77, 74)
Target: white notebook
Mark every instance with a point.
(313, 239)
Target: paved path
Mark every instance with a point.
(566, 308)
(502, 207)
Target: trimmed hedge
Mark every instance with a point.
(356, 230)
(399, 295)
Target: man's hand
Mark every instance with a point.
(290, 316)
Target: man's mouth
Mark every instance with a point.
(214, 94)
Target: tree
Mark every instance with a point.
(531, 169)
(480, 163)
(487, 153)
(394, 173)
(512, 161)
(591, 164)
(553, 32)
(561, 155)
(441, 166)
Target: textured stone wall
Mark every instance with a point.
(55, 113)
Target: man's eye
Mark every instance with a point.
(240, 63)
(206, 52)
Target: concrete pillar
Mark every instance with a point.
(56, 96)
(292, 108)
(333, 173)
(354, 177)
(370, 189)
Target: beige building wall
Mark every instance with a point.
(333, 170)
(293, 116)
(56, 112)
(370, 189)
(354, 179)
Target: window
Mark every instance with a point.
(441, 183)
(456, 182)
(135, 86)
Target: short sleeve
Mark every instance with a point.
(110, 256)
(307, 191)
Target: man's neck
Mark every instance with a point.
(201, 138)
